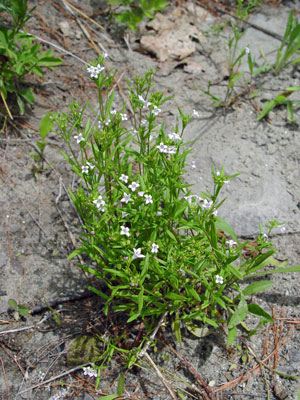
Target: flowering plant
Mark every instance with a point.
(159, 249)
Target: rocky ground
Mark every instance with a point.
(187, 49)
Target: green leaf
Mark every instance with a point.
(27, 94)
(140, 300)
(21, 105)
(176, 327)
(257, 287)
(49, 62)
(239, 315)
(257, 310)
(277, 271)
(46, 125)
(12, 303)
(96, 291)
(23, 310)
(224, 226)
(120, 387)
(133, 317)
(231, 336)
(109, 397)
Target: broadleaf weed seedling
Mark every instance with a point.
(19, 55)
(157, 247)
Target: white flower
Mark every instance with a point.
(124, 117)
(79, 138)
(99, 203)
(247, 50)
(156, 110)
(206, 204)
(140, 194)
(125, 230)
(124, 214)
(90, 372)
(94, 71)
(143, 122)
(171, 150)
(154, 248)
(219, 279)
(137, 254)
(105, 55)
(148, 199)
(282, 229)
(231, 243)
(124, 178)
(133, 186)
(84, 169)
(159, 213)
(265, 236)
(174, 136)
(193, 164)
(162, 148)
(146, 103)
(91, 166)
(113, 111)
(126, 198)
(196, 114)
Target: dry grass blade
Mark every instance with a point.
(159, 374)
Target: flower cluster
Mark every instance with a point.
(90, 372)
(204, 203)
(95, 71)
(85, 168)
(100, 203)
(163, 148)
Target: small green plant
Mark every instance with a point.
(19, 56)
(160, 249)
(19, 309)
(236, 55)
(137, 10)
(282, 98)
(290, 45)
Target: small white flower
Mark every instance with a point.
(91, 166)
(99, 203)
(219, 279)
(215, 213)
(124, 117)
(174, 136)
(125, 230)
(105, 55)
(146, 103)
(162, 147)
(206, 204)
(79, 138)
(148, 199)
(159, 213)
(90, 372)
(124, 214)
(84, 169)
(171, 150)
(133, 186)
(247, 50)
(126, 198)
(196, 114)
(231, 243)
(124, 178)
(94, 71)
(137, 254)
(113, 111)
(154, 248)
(193, 164)
(156, 110)
(143, 122)
(140, 194)
(282, 229)
(265, 236)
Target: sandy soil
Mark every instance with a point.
(40, 228)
